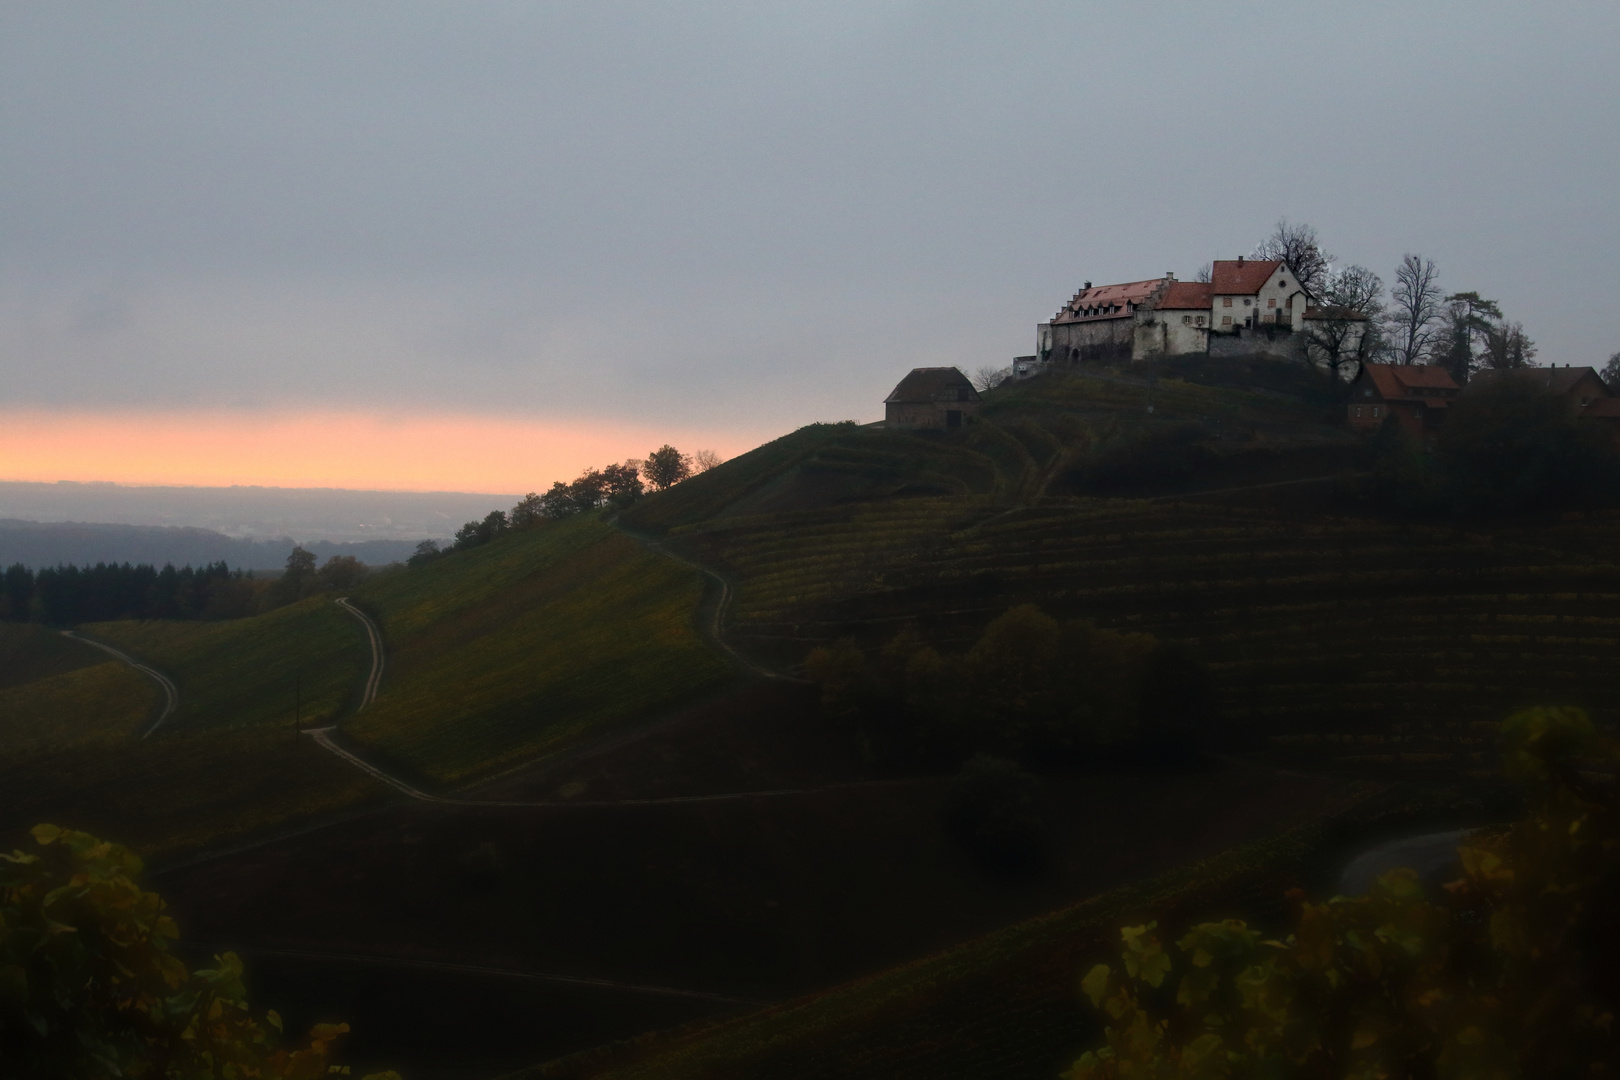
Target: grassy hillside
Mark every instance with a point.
(101, 704)
(515, 649)
(1003, 1005)
(249, 672)
(29, 652)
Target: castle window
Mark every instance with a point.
(1200, 320)
(1281, 283)
(1226, 320)
(1271, 303)
(1247, 301)
(1186, 320)
(1226, 301)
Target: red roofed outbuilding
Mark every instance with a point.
(1416, 396)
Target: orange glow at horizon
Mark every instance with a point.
(328, 449)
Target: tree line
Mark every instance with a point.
(69, 595)
(615, 486)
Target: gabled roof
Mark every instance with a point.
(1187, 296)
(1396, 381)
(929, 384)
(1108, 301)
(1240, 277)
(1554, 380)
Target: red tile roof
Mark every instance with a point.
(1107, 301)
(1396, 381)
(1555, 380)
(1187, 296)
(1241, 277)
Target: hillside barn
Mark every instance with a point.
(1416, 396)
(938, 398)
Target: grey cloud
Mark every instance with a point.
(639, 209)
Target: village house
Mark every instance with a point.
(1248, 307)
(1585, 393)
(1416, 396)
(1580, 387)
(939, 398)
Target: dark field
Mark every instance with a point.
(753, 899)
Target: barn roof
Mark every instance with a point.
(1240, 277)
(1394, 381)
(929, 384)
(1555, 380)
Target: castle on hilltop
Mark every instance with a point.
(1248, 307)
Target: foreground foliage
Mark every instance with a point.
(90, 986)
(1509, 973)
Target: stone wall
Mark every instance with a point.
(1279, 341)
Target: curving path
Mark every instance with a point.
(373, 635)
(713, 629)
(475, 969)
(323, 738)
(171, 693)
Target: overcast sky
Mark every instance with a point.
(740, 217)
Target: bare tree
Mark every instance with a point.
(1416, 310)
(1206, 273)
(1507, 346)
(988, 378)
(1611, 371)
(704, 460)
(1297, 247)
(1346, 331)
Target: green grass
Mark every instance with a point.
(509, 651)
(29, 652)
(169, 795)
(251, 672)
(1004, 1005)
(103, 704)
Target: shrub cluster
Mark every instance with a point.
(90, 985)
(1028, 686)
(1509, 971)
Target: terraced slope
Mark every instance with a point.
(1370, 641)
(515, 649)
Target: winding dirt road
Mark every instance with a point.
(323, 737)
(374, 635)
(171, 693)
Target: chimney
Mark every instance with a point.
(1088, 285)
(1240, 260)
